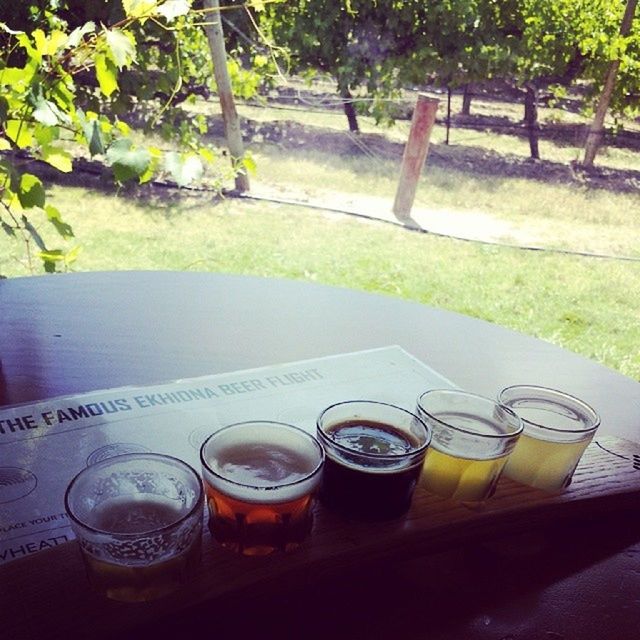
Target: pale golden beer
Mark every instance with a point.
(464, 479)
(260, 480)
(545, 464)
(138, 519)
(140, 582)
(557, 430)
(472, 439)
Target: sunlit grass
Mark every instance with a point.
(590, 306)
(560, 216)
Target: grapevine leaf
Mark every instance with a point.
(40, 40)
(47, 112)
(156, 155)
(138, 8)
(183, 170)
(121, 47)
(78, 33)
(72, 254)
(249, 164)
(58, 158)
(31, 192)
(207, 155)
(25, 43)
(106, 74)
(45, 135)
(4, 145)
(50, 257)
(172, 9)
(93, 132)
(54, 255)
(19, 132)
(55, 41)
(126, 161)
(14, 76)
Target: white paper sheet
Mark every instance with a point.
(43, 445)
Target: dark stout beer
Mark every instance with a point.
(372, 466)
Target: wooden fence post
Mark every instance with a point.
(415, 154)
(229, 114)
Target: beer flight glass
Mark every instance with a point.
(557, 429)
(374, 455)
(472, 438)
(138, 516)
(138, 520)
(260, 478)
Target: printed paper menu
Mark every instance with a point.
(44, 444)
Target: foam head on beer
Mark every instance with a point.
(260, 479)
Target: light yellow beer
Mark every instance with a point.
(544, 464)
(134, 579)
(463, 479)
(472, 438)
(138, 520)
(558, 428)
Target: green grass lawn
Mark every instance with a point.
(590, 306)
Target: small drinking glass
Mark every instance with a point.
(374, 454)
(472, 439)
(260, 479)
(557, 429)
(138, 519)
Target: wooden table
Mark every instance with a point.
(72, 333)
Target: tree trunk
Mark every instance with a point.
(230, 117)
(531, 119)
(594, 134)
(446, 140)
(466, 100)
(349, 110)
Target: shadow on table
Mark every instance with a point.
(549, 585)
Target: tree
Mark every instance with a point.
(570, 40)
(366, 46)
(595, 130)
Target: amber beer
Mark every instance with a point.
(260, 479)
(138, 519)
(374, 454)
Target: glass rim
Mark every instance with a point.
(475, 396)
(122, 457)
(549, 390)
(274, 487)
(375, 456)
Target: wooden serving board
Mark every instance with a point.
(47, 594)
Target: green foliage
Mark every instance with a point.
(379, 47)
(68, 81)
